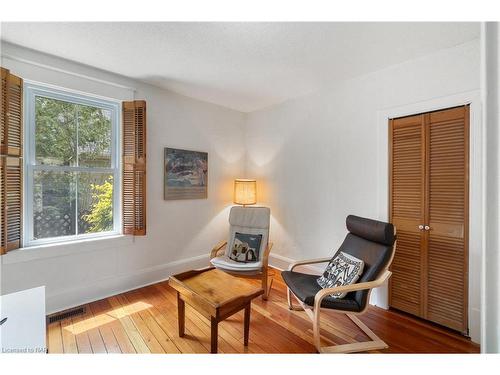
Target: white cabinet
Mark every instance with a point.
(24, 329)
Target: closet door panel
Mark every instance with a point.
(407, 212)
(448, 210)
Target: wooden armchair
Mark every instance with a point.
(249, 220)
(372, 241)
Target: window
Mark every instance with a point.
(71, 166)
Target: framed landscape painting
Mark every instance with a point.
(186, 174)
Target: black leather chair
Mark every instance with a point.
(372, 241)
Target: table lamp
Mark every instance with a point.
(245, 192)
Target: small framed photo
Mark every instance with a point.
(186, 174)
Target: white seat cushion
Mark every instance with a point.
(225, 263)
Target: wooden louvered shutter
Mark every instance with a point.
(407, 212)
(3, 111)
(448, 217)
(134, 168)
(11, 125)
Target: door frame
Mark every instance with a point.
(380, 297)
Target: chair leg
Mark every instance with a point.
(375, 343)
(270, 286)
(316, 330)
(290, 303)
(264, 284)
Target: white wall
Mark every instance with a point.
(491, 281)
(180, 234)
(318, 157)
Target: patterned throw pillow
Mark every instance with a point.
(246, 247)
(344, 269)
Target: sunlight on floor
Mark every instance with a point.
(102, 319)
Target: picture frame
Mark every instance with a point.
(185, 174)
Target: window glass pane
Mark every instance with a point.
(54, 204)
(55, 132)
(67, 201)
(94, 137)
(95, 202)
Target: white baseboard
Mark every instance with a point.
(279, 261)
(107, 287)
(475, 325)
(103, 288)
(282, 263)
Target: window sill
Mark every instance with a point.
(58, 249)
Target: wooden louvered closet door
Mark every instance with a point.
(407, 212)
(430, 272)
(448, 217)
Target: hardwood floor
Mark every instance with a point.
(145, 321)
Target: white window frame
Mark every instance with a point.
(32, 90)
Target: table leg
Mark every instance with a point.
(214, 334)
(181, 311)
(246, 323)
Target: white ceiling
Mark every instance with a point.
(244, 66)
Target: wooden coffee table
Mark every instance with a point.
(216, 295)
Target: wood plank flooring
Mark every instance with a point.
(145, 321)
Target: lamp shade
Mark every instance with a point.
(245, 191)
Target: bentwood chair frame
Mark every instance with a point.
(314, 312)
(253, 220)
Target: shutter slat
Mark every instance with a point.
(3, 110)
(11, 167)
(134, 168)
(11, 207)
(14, 115)
(3, 217)
(13, 200)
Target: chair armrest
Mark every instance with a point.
(265, 257)
(309, 261)
(350, 288)
(217, 248)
